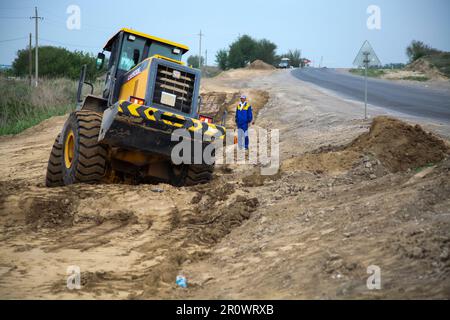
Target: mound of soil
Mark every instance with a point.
(400, 146)
(333, 162)
(257, 180)
(260, 65)
(424, 66)
(48, 212)
(232, 216)
(397, 145)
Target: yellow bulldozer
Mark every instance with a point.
(127, 133)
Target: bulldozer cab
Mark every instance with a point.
(127, 49)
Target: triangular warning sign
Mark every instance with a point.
(366, 56)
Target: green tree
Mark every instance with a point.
(222, 59)
(246, 50)
(418, 49)
(265, 51)
(193, 61)
(242, 52)
(295, 57)
(56, 62)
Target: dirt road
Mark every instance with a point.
(311, 231)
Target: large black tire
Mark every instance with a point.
(191, 175)
(54, 167)
(83, 157)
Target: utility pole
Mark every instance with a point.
(30, 61)
(206, 58)
(366, 66)
(200, 49)
(36, 18)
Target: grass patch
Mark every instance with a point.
(441, 61)
(373, 73)
(416, 78)
(22, 106)
(32, 119)
(420, 169)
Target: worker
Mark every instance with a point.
(244, 117)
(126, 63)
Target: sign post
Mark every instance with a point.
(366, 58)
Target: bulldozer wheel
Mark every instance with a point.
(54, 168)
(83, 157)
(199, 174)
(190, 175)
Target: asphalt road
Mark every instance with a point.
(407, 99)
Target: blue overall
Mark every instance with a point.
(244, 116)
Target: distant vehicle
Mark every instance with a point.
(305, 63)
(285, 63)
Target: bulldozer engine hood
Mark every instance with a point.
(164, 84)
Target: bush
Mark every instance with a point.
(246, 50)
(193, 61)
(416, 78)
(418, 49)
(441, 61)
(371, 72)
(222, 59)
(22, 106)
(56, 63)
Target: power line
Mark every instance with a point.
(56, 18)
(68, 44)
(16, 9)
(8, 18)
(52, 41)
(15, 39)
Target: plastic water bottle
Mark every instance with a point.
(181, 281)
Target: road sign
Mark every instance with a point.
(366, 58)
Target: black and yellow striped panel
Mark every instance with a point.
(151, 115)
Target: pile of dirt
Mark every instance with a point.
(214, 228)
(257, 180)
(260, 65)
(425, 67)
(49, 212)
(215, 103)
(400, 146)
(334, 162)
(390, 145)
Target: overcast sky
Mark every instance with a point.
(329, 28)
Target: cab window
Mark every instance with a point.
(164, 50)
(132, 52)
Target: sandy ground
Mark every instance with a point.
(309, 232)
